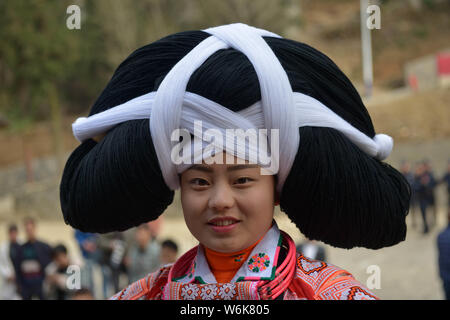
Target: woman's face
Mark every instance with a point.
(227, 207)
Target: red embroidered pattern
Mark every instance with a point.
(357, 293)
(346, 289)
(327, 282)
(133, 292)
(314, 274)
(309, 266)
(213, 291)
(259, 262)
(149, 288)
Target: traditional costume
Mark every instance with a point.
(273, 270)
(330, 177)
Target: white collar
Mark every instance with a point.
(260, 265)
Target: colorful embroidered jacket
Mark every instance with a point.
(299, 278)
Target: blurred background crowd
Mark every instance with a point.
(33, 269)
(50, 75)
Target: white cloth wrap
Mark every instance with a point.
(172, 107)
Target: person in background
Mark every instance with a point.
(312, 250)
(446, 179)
(32, 259)
(422, 187)
(8, 254)
(415, 188)
(56, 274)
(169, 252)
(405, 169)
(443, 244)
(112, 248)
(430, 189)
(407, 172)
(88, 247)
(143, 256)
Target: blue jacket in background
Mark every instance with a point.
(443, 242)
(81, 237)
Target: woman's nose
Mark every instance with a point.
(222, 197)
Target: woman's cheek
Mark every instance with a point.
(198, 205)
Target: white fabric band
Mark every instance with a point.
(172, 107)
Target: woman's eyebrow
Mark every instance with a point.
(242, 166)
(200, 168)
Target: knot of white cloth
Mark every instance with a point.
(384, 144)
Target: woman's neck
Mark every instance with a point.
(225, 265)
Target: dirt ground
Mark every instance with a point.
(408, 271)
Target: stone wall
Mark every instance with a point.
(40, 198)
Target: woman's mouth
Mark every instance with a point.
(224, 224)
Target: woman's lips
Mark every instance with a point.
(225, 224)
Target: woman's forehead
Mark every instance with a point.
(222, 167)
(228, 164)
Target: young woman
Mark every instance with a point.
(325, 166)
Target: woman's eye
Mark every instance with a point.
(243, 180)
(199, 182)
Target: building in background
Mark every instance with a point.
(431, 71)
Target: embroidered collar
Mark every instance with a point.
(260, 264)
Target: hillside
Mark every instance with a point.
(406, 33)
(333, 27)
